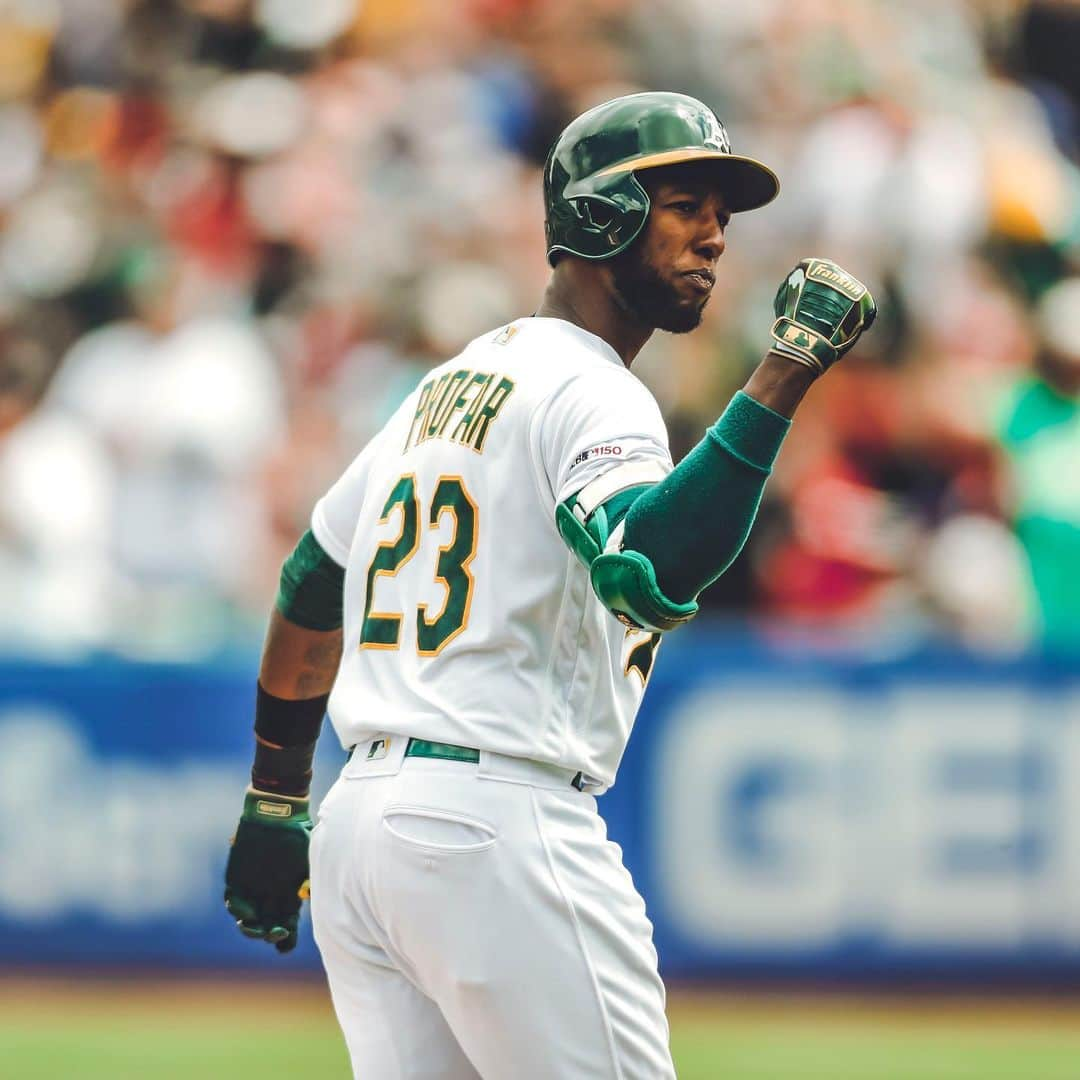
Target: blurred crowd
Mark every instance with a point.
(233, 233)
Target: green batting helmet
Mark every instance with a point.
(594, 204)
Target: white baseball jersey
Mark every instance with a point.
(467, 619)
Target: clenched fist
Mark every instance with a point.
(266, 877)
(820, 312)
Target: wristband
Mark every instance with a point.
(285, 736)
(288, 723)
(750, 432)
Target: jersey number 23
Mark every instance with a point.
(382, 630)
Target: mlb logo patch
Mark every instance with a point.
(378, 749)
(799, 337)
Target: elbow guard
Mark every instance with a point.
(591, 523)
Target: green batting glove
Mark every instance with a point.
(267, 874)
(820, 312)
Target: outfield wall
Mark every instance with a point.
(785, 813)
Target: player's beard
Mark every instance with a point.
(649, 298)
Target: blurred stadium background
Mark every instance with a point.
(233, 233)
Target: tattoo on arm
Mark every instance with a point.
(298, 663)
(320, 664)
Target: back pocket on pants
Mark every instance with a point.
(432, 829)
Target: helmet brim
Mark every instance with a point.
(746, 183)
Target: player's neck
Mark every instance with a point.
(580, 295)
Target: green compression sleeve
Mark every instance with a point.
(693, 523)
(310, 592)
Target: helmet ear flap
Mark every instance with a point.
(595, 215)
(598, 217)
(598, 224)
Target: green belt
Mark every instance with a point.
(423, 748)
(450, 752)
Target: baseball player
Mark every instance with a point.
(480, 598)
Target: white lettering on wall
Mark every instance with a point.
(121, 839)
(753, 842)
(923, 816)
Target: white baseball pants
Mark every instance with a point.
(475, 921)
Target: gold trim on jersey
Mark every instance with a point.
(641, 656)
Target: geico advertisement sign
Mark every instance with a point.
(779, 821)
(911, 817)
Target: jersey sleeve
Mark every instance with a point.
(333, 521)
(596, 421)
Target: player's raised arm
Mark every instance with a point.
(651, 548)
